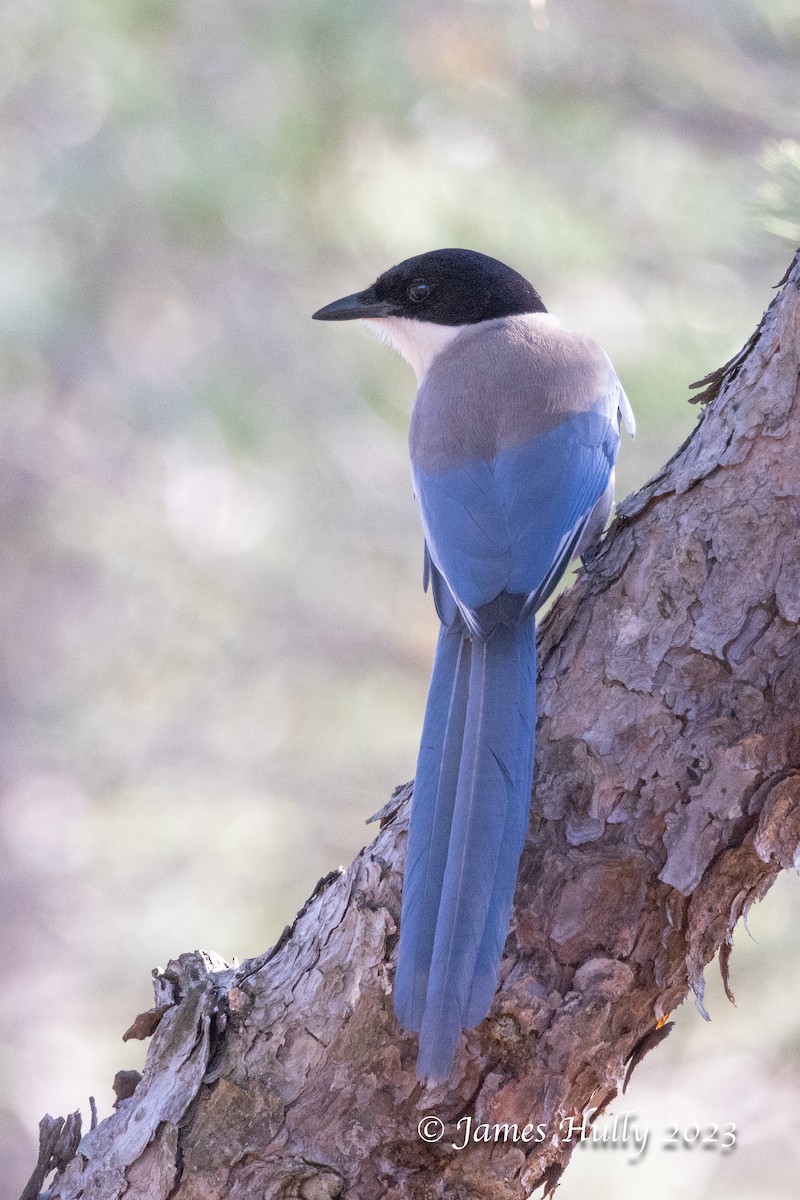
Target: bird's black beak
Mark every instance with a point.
(351, 308)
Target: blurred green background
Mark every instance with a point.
(215, 645)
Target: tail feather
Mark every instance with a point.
(431, 818)
(487, 828)
(487, 966)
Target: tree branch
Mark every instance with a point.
(667, 799)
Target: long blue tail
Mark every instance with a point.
(468, 822)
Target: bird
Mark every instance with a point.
(513, 439)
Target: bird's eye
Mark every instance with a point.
(418, 291)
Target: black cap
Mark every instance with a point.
(445, 287)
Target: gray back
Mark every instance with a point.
(502, 383)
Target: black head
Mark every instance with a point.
(446, 287)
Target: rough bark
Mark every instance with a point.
(667, 799)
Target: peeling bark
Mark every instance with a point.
(667, 799)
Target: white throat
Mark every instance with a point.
(419, 342)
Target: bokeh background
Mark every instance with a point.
(215, 645)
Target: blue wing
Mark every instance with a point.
(509, 524)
